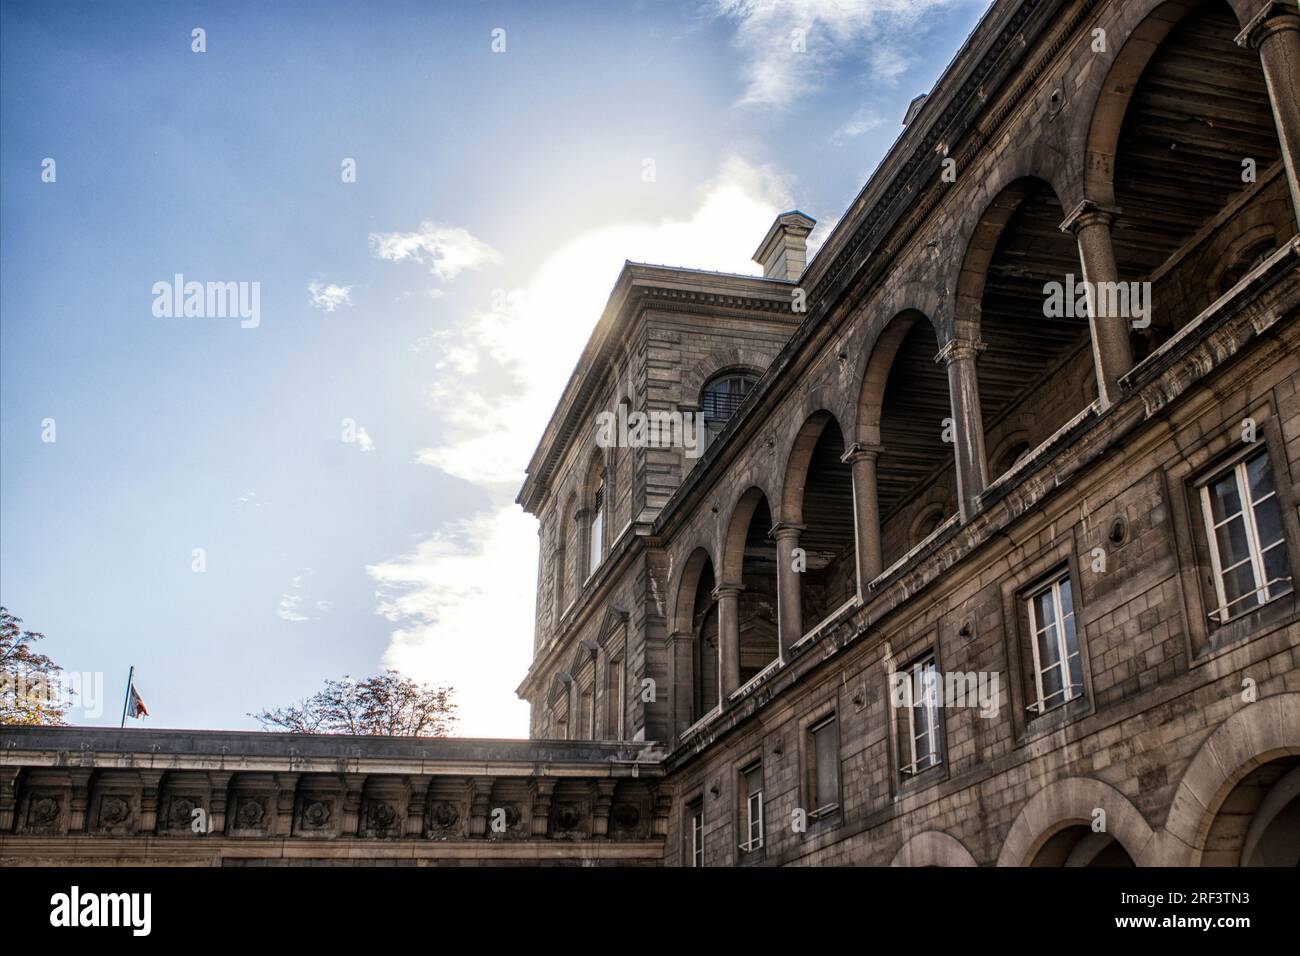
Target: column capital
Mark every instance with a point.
(782, 530)
(1089, 213)
(860, 451)
(955, 350)
(1272, 18)
(727, 590)
(677, 636)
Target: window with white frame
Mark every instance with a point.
(587, 715)
(825, 771)
(695, 817)
(921, 729)
(617, 691)
(1243, 525)
(598, 525)
(751, 790)
(1058, 670)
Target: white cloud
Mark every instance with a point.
(777, 74)
(501, 372)
(863, 121)
(328, 297)
(463, 600)
(446, 250)
(462, 603)
(296, 604)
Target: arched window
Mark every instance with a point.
(1013, 455)
(722, 396)
(927, 524)
(1243, 261)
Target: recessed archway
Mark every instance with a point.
(902, 406)
(1071, 807)
(933, 848)
(1183, 143)
(1017, 297)
(694, 646)
(1258, 734)
(749, 558)
(818, 498)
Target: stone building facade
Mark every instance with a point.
(972, 539)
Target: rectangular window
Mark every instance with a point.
(695, 813)
(825, 736)
(751, 790)
(921, 740)
(588, 717)
(598, 527)
(1243, 525)
(1058, 671)
(617, 694)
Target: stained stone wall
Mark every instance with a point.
(985, 445)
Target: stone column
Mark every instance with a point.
(79, 803)
(967, 422)
(286, 799)
(1112, 352)
(866, 511)
(1274, 34)
(8, 797)
(480, 794)
(353, 789)
(602, 799)
(150, 780)
(789, 605)
(681, 689)
(219, 795)
(417, 802)
(728, 598)
(541, 790)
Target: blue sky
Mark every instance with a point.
(430, 311)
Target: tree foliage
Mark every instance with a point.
(387, 705)
(28, 681)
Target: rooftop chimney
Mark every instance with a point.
(783, 253)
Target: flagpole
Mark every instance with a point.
(125, 700)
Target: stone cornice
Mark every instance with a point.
(248, 752)
(981, 69)
(641, 286)
(1205, 345)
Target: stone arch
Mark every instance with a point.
(1071, 802)
(933, 848)
(1149, 22)
(684, 586)
(798, 461)
(880, 360)
(1256, 734)
(749, 561)
(981, 245)
(733, 543)
(716, 363)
